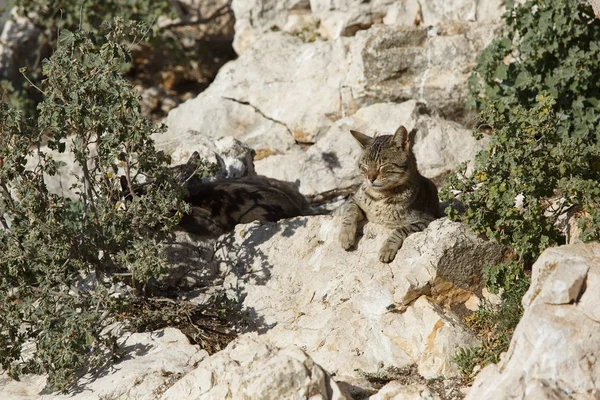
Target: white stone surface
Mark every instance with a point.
(346, 309)
(429, 64)
(397, 391)
(271, 96)
(248, 368)
(337, 18)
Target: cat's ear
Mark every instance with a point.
(361, 138)
(194, 159)
(401, 138)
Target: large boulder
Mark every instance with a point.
(253, 18)
(555, 350)
(270, 97)
(348, 311)
(285, 93)
(152, 363)
(332, 19)
(249, 368)
(429, 64)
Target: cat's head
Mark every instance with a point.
(387, 161)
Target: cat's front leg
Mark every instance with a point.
(390, 247)
(351, 216)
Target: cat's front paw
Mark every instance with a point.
(347, 238)
(388, 252)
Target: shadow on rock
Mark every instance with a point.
(243, 262)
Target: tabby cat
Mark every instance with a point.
(393, 193)
(217, 207)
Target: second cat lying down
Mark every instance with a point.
(217, 207)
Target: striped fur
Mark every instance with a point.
(393, 193)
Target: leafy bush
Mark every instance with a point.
(538, 87)
(503, 277)
(61, 257)
(548, 46)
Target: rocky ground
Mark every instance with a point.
(322, 323)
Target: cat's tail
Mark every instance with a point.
(327, 202)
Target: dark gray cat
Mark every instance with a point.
(217, 207)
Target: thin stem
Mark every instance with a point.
(128, 178)
(33, 84)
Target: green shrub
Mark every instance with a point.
(547, 46)
(60, 257)
(538, 87)
(502, 277)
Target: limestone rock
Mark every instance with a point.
(429, 64)
(27, 388)
(554, 351)
(276, 95)
(398, 391)
(270, 97)
(346, 309)
(248, 368)
(155, 360)
(445, 262)
(440, 146)
(255, 17)
(333, 19)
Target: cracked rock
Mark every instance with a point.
(278, 88)
(554, 351)
(249, 368)
(151, 362)
(334, 19)
(344, 308)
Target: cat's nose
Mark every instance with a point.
(372, 177)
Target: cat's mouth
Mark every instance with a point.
(376, 185)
